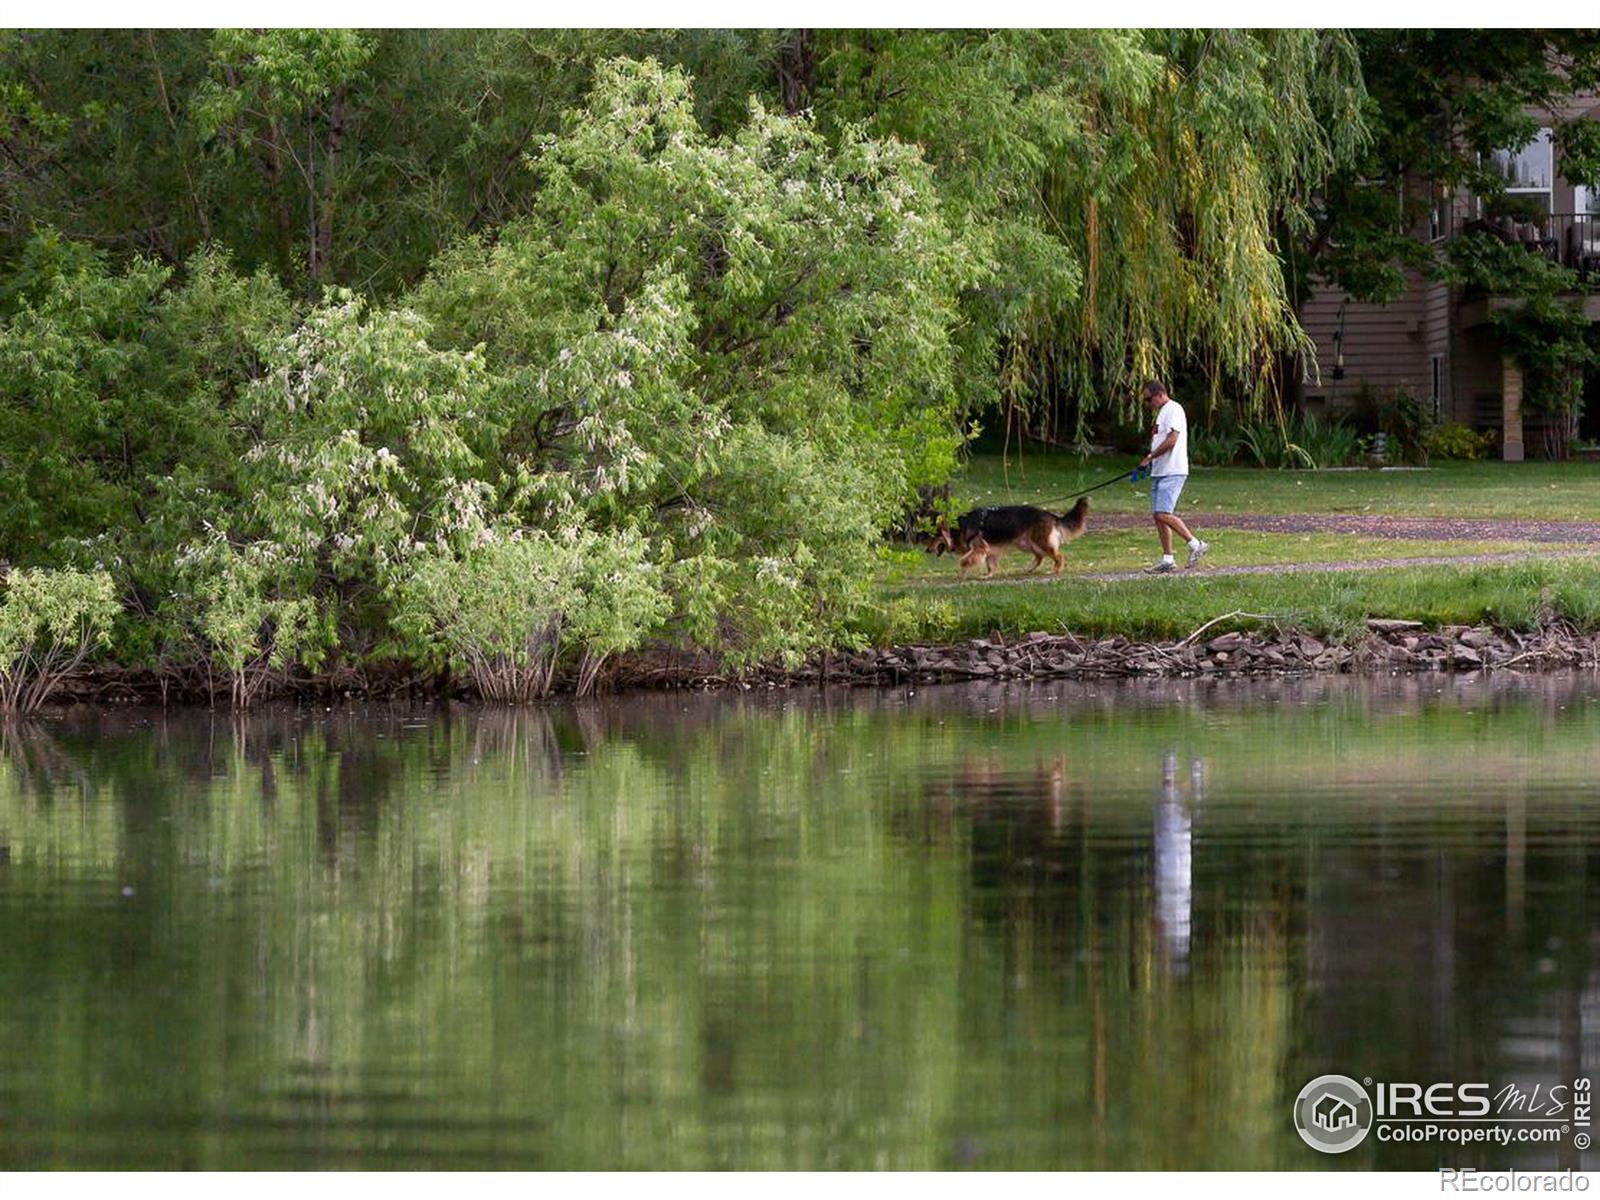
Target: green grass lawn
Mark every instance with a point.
(920, 600)
(1546, 491)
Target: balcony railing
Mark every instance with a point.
(1571, 239)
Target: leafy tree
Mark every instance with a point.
(1545, 332)
(741, 344)
(1127, 185)
(119, 405)
(330, 157)
(50, 621)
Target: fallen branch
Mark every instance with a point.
(1238, 612)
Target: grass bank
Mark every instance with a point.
(921, 601)
(1510, 596)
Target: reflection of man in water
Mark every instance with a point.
(1174, 872)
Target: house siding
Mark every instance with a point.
(1395, 345)
(1385, 345)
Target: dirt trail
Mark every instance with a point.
(1469, 529)
(1206, 570)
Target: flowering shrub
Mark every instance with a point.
(739, 345)
(237, 618)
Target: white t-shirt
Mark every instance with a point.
(1171, 416)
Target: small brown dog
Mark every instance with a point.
(985, 532)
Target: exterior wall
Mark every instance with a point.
(1385, 346)
(1392, 346)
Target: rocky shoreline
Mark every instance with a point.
(1383, 647)
(1386, 646)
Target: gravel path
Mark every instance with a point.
(1470, 529)
(1365, 564)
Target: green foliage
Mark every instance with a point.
(119, 403)
(71, 366)
(368, 443)
(509, 611)
(238, 620)
(1266, 445)
(1215, 444)
(741, 343)
(1400, 415)
(49, 623)
(1129, 187)
(326, 156)
(1440, 101)
(1459, 442)
(1299, 441)
(1543, 325)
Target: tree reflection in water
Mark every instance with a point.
(1052, 926)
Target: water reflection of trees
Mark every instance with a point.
(901, 928)
(1398, 933)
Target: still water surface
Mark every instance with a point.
(1064, 926)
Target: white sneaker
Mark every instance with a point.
(1196, 554)
(1164, 567)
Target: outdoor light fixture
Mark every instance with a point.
(1338, 342)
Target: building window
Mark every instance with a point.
(1438, 371)
(1528, 170)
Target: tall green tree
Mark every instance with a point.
(1128, 185)
(331, 157)
(741, 345)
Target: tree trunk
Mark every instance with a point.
(797, 70)
(322, 237)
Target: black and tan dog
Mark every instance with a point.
(984, 532)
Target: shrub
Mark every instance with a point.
(1300, 441)
(742, 344)
(1404, 418)
(511, 611)
(237, 618)
(1213, 446)
(1459, 442)
(49, 623)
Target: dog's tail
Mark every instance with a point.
(1076, 517)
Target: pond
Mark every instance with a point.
(1054, 926)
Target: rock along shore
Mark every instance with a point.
(1386, 646)
(1383, 647)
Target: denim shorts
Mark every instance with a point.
(1164, 491)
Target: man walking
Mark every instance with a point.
(1168, 461)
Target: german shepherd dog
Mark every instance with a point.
(984, 532)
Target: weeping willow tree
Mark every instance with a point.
(1128, 188)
